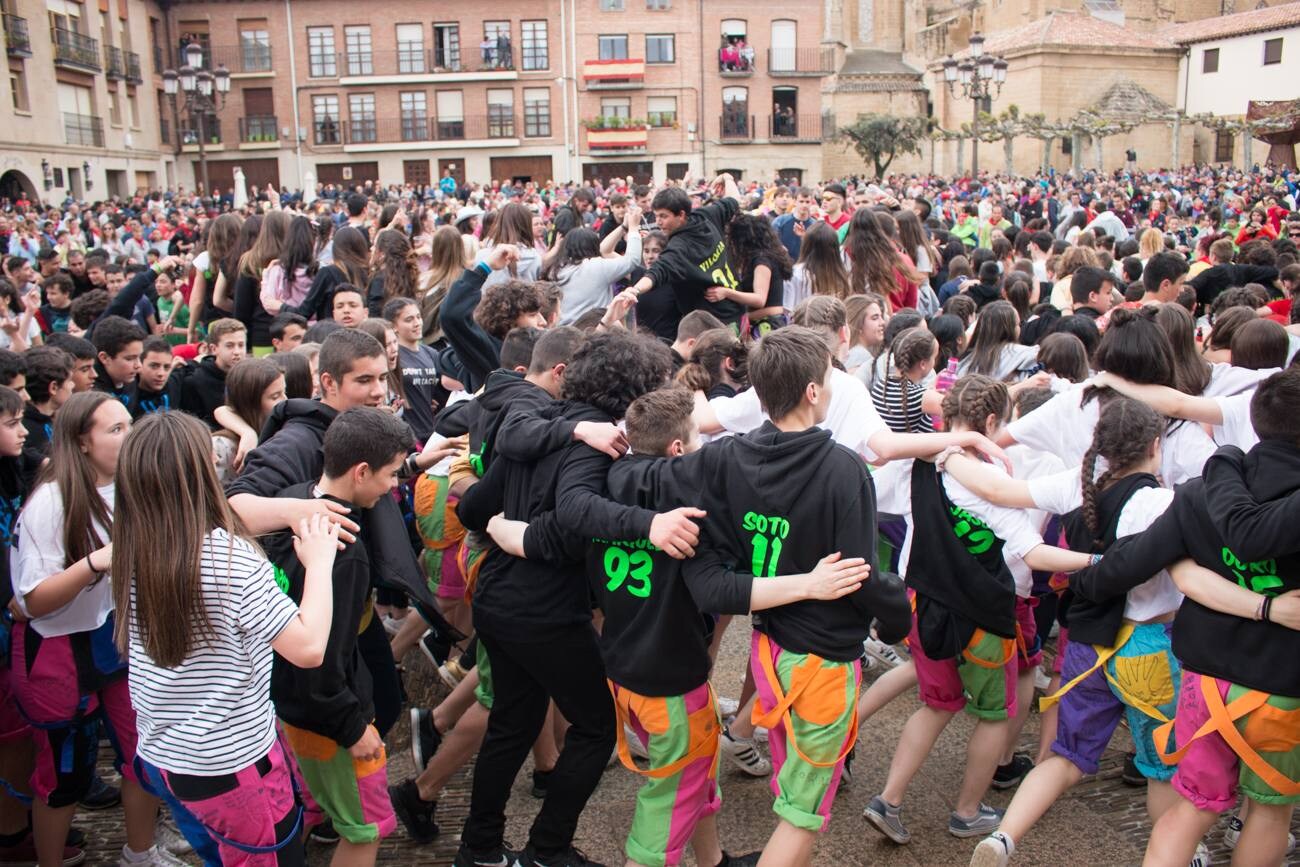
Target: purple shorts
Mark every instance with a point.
(250, 812)
(65, 724)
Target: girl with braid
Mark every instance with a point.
(899, 392)
(1117, 661)
(969, 562)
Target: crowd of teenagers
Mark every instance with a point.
(254, 461)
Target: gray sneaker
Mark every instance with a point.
(985, 821)
(888, 820)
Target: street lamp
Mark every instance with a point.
(978, 77)
(200, 92)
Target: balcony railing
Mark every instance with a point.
(414, 59)
(114, 63)
(18, 41)
(258, 128)
(737, 126)
(735, 63)
(789, 128)
(416, 128)
(211, 129)
(614, 74)
(85, 130)
(799, 61)
(74, 50)
(133, 73)
(617, 139)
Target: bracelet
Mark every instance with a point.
(942, 457)
(1259, 610)
(98, 574)
(1094, 559)
(1265, 608)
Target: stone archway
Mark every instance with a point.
(14, 184)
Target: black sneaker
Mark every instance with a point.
(324, 833)
(415, 812)
(1009, 775)
(571, 857)
(76, 838)
(541, 779)
(846, 776)
(425, 737)
(1131, 775)
(435, 647)
(748, 860)
(101, 795)
(498, 857)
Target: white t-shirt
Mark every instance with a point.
(1062, 493)
(202, 261)
(1236, 429)
(33, 331)
(1064, 426)
(852, 418)
(1227, 380)
(212, 714)
(39, 554)
(1012, 526)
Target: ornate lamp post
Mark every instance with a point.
(202, 92)
(978, 77)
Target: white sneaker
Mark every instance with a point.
(634, 745)
(760, 734)
(728, 707)
(1202, 856)
(1232, 834)
(744, 754)
(993, 851)
(166, 836)
(155, 857)
(882, 653)
(1041, 679)
(391, 624)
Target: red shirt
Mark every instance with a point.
(835, 224)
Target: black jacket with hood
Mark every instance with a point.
(545, 594)
(1238, 520)
(290, 453)
(202, 388)
(504, 392)
(695, 258)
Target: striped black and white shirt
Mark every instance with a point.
(212, 714)
(903, 414)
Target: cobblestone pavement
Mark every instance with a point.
(1101, 821)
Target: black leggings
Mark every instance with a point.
(526, 675)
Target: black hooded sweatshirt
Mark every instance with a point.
(777, 503)
(104, 383)
(478, 352)
(1238, 520)
(290, 453)
(695, 258)
(335, 699)
(504, 392)
(535, 598)
(202, 389)
(145, 401)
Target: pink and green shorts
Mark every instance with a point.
(351, 792)
(982, 680)
(680, 733)
(809, 706)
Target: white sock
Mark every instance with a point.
(130, 855)
(1006, 841)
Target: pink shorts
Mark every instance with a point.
(451, 580)
(65, 724)
(986, 689)
(12, 725)
(1211, 772)
(1029, 650)
(248, 813)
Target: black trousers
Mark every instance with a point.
(526, 675)
(377, 655)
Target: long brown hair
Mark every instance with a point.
(222, 243)
(395, 263)
(447, 255)
(875, 263)
(513, 225)
(352, 255)
(1124, 432)
(819, 253)
(270, 240)
(70, 470)
(167, 489)
(245, 384)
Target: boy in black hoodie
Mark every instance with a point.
(1241, 688)
(203, 385)
(155, 389)
(118, 343)
(534, 615)
(785, 496)
(655, 642)
(327, 713)
(695, 258)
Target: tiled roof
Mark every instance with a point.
(870, 61)
(1255, 21)
(1072, 30)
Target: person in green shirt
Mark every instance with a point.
(173, 313)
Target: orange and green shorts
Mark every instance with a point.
(352, 793)
(441, 533)
(809, 706)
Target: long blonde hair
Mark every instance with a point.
(1151, 241)
(447, 252)
(167, 488)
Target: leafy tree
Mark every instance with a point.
(878, 138)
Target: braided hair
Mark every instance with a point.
(909, 348)
(1122, 436)
(972, 399)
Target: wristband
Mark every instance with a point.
(97, 574)
(1265, 608)
(1094, 560)
(1259, 610)
(484, 268)
(942, 457)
